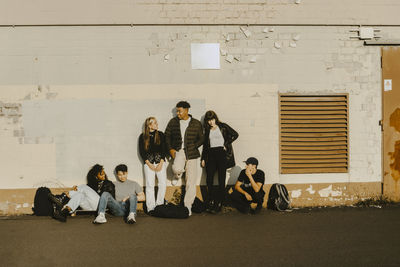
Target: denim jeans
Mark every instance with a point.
(117, 208)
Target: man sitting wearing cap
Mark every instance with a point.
(249, 188)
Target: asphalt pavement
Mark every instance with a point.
(344, 236)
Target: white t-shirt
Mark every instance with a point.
(184, 124)
(216, 138)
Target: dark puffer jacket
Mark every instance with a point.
(229, 135)
(193, 137)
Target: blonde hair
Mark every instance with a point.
(146, 133)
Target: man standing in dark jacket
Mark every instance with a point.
(184, 135)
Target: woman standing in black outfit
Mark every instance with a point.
(217, 156)
(152, 149)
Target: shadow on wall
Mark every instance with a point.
(234, 174)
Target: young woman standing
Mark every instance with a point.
(152, 149)
(217, 156)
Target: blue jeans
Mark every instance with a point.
(117, 208)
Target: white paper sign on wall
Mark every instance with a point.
(205, 56)
(387, 85)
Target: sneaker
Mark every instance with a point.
(131, 218)
(176, 178)
(101, 218)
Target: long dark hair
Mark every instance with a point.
(92, 175)
(209, 116)
(146, 134)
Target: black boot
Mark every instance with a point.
(217, 207)
(210, 206)
(60, 214)
(56, 201)
(63, 198)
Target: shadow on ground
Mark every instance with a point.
(341, 236)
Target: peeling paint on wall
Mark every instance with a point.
(395, 158)
(4, 207)
(296, 193)
(326, 192)
(310, 190)
(395, 119)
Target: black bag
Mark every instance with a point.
(198, 206)
(42, 205)
(278, 198)
(170, 211)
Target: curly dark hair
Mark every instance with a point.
(92, 175)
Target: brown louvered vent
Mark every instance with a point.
(313, 133)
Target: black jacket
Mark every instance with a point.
(155, 152)
(229, 135)
(102, 186)
(194, 137)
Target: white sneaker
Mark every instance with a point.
(174, 181)
(131, 218)
(190, 211)
(101, 218)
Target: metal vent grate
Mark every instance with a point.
(313, 133)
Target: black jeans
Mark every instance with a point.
(216, 162)
(240, 202)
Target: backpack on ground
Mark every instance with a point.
(278, 198)
(170, 211)
(42, 205)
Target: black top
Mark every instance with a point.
(102, 186)
(155, 153)
(259, 177)
(229, 135)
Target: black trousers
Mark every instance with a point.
(240, 202)
(216, 162)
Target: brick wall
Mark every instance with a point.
(35, 62)
(355, 12)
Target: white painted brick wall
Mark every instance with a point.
(108, 62)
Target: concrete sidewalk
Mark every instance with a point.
(307, 237)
